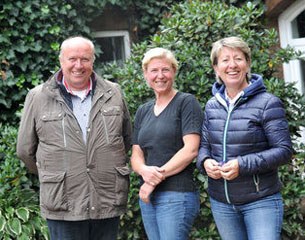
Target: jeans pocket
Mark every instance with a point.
(122, 185)
(52, 190)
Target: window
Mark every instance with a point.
(115, 46)
(292, 33)
(297, 25)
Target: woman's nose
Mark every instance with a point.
(232, 63)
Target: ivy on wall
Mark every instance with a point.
(31, 33)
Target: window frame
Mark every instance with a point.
(292, 70)
(116, 33)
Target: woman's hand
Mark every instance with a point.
(230, 170)
(212, 168)
(152, 175)
(145, 191)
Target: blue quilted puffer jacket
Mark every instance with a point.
(255, 131)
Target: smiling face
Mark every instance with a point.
(76, 61)
(232, 68)
(160, 75)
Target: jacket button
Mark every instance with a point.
(88, 130)
(92, 208)
(88, 170)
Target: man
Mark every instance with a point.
(75, 132)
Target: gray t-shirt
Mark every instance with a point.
(160, 137)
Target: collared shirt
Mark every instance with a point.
(81, 101)
(232, 101)
(86, 91)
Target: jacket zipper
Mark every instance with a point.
(64, 132)
(225, 153)
(224, 158)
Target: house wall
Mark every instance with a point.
(274, 9)
(115, 18)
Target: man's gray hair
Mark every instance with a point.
(70, 40)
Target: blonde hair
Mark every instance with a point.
(78, 39)
(231, 42)
(159, 53)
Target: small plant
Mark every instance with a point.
(19, 202)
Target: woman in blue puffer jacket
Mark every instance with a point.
(245, 138)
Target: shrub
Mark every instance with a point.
(293, 191)
(19, 206)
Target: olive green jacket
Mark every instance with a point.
(78, 180)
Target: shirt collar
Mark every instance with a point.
(66, 85)
(233, 100)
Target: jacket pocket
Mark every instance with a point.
(52, 190)
(113, 121)
(51, 127)
(122, 185)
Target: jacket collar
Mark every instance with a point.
(256, 86)
(54, 83)
(100, 88)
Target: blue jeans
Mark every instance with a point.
(170, 215)
(100, 229)
(258, 220)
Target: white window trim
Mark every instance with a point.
(292, 71)
(120, 33)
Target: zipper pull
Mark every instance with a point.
(256, 182)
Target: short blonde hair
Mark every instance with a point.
(231, 42)
(159, 53)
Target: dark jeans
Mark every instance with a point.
(101, 229)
